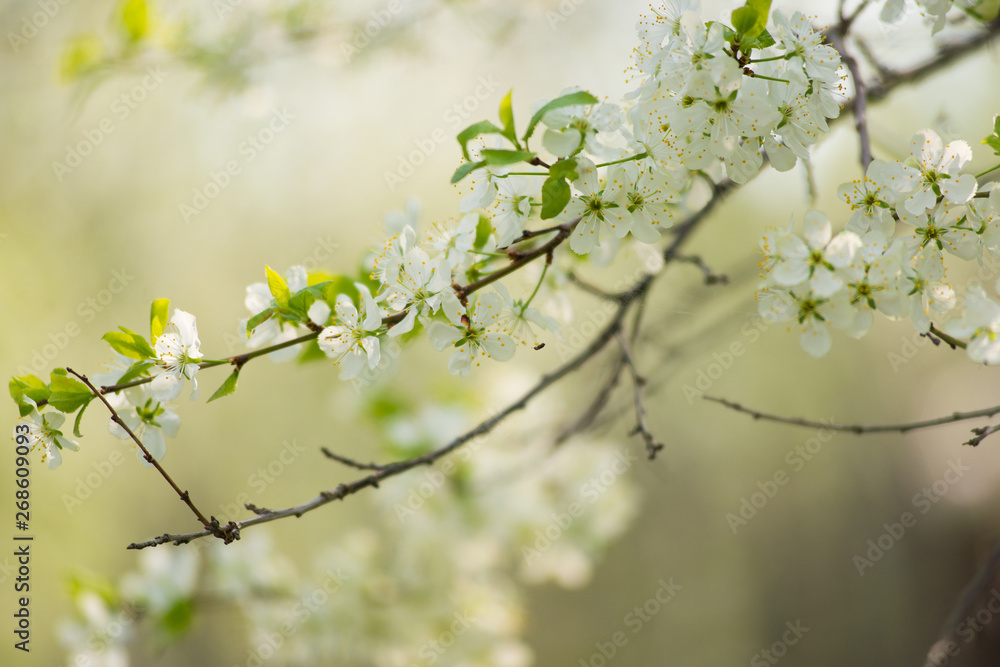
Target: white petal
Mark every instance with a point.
(815, 339)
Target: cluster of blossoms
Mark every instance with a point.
(703, 99)
(520, 514)
(891, 258)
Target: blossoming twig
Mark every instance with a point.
(227, 534)
(860, 429)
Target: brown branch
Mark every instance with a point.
(681, 233)
(710, 277)
(391, 470)
(641, 427)
(838, 39)
(226, 534)
(351, 463)
(860, 429)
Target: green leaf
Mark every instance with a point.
(278, 286)
(507, 118)
(996, 124)
(135, 371)
(28, 386)
(68, 395)
(259, 318)
(465, 169)
(300, 302)
(565, 169)
(79, 416)
(993, 141)
(498, 157)
(744, 20)
(555, 196)
(750, 21)
(129, 343)
(227, 387)
(473, 131)
(761, 41)
(158, 317)
(483, 230)
(580, 97)
(135, 19)
(728, 34)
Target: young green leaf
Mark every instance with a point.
(565, 169)
(278, 286)
(259, 319)
(68, 394)
(579, 97)
(483, 230)
(507, 119)
(498, 157)
(227, 387)
(555, 196)
(136, 370)
(465, 169)
(79, 416)
(129, 343)
(158, 317)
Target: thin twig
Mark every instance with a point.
(351, 463)
(981, 433)
(227, 534)
(859, 429)
(641, 427)
(838, 39)
(391, 470)
(710, 277)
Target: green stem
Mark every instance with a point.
(770, 78)
(540, 279)
(983, 173)
(624, 159)
(954, 342)
(767, 60)
(527, 173)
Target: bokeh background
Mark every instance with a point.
(319, 191)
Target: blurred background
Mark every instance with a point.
(85, 248)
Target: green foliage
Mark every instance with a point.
(228, 387)
(572, 99)
(158, 317)
(67, 394)
(278, 286)
(129, 343)
(555, 196)
(993, 140)
(28, 387)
